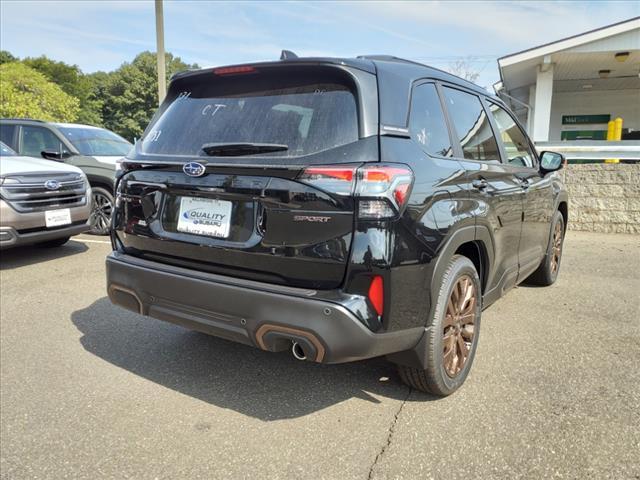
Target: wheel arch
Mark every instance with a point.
(98, 181)
(474, 241)
(476, 251)
(563, 207)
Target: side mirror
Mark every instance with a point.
(53, 155)
(551, 161)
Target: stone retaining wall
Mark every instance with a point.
(604, 197)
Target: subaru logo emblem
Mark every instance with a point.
(51, 184)
(194, 169)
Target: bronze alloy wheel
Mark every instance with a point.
(459, 325)
(556, 249)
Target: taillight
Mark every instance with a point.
(338, 180)
(376, 294)
(381, 190)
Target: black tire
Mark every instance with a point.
(547, 273)
(436, 378)
(58, 242)
(101, 211)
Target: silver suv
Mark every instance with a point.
(94, 150)
(41, 201)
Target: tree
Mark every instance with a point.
(129, 94)
(7, 57)
(73, 82)
(463, 68)
(25, 92)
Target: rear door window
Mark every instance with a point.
(308, 115)
(472, 125)
(35, 140)
(96, 141)
(427, 125)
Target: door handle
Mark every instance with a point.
(480, 183)
(524, 183)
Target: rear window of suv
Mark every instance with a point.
(307, 113)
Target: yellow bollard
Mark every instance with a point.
(614, 133)
(617, 134)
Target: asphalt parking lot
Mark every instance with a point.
(89, 390)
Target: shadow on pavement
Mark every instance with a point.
(268, 386)
(28, 255)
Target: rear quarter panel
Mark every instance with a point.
(406, 251)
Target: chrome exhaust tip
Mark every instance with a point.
(298, 351)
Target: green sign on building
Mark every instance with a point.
(583, 135)
(585, 119)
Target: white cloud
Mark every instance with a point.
(518, 23)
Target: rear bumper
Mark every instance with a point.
(265, 316)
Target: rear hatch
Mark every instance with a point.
(249, 171)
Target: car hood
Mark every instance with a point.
(109, 160)
(16, 165)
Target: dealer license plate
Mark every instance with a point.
(205, 216)
(56, 218)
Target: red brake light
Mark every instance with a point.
(400, 193)
(233, 70)
(338, 173)
(383, 174)
(335, 179)
(376, 294)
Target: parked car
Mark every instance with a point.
(342, 208)
(94, 150)
(41, 201)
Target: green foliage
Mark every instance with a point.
(130, 94)
(72, 81)
(123, 100)
(24, 92)
(6, 57)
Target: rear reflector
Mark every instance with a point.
(234, 70)
(376, 294)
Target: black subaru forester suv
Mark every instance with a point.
(340, 208)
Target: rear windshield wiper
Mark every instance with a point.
(240, 149)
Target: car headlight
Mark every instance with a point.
(87, 185)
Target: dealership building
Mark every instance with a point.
(568, 90)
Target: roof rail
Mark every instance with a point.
(390, 58)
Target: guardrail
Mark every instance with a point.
(625, 150)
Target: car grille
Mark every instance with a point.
(28, 193)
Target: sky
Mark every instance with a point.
(101, 35)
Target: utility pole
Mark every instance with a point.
(162, 77)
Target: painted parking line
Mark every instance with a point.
(86, 240)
